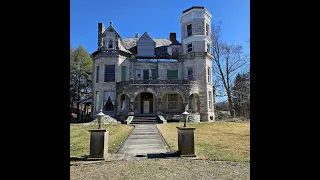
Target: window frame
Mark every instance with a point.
(207, 29)
(107, 74)
(104, 102)
(110, 42)
(97, 101)
(97, 74)
(176, 102)
(188, 47)
(209, 75)
(176, 70)
(190, 30)
(210, 99)
(192, 76)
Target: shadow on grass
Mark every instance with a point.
(161, 155)
(82, 158)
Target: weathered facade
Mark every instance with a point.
(145, 75)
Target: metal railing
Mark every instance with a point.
(156, 81)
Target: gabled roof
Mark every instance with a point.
(175, 43)
(110, 29)
(145, 36)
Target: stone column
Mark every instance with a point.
(186, 141)
(131, 108)
(159, 106)
(98, 144)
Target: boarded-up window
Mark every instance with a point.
(172, 74)
(172, 101)
(123, 73)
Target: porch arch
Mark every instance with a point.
(145, 103)
(173, 103)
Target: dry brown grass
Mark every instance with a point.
(80, 138)
(225, 141)
(154, 169)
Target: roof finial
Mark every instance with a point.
(110, 23)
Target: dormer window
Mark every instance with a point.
(110, 45)
(189, 30)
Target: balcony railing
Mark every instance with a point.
(157, 81)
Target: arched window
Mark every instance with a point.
(110, 46)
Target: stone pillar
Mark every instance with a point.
(98, 144)
(186, 141)
(159, 106)
(131, 109)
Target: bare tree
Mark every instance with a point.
(227, 60)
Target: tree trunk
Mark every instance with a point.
(78, 112)
(231, 109)
(84, 110)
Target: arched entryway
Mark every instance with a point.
(145, 103)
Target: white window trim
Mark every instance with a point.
(209, 75)
(209, 101)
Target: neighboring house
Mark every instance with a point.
(150, 76)
(84, 107)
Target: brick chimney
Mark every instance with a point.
(137, 35)
(173, 37)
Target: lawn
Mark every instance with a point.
(222, 141)
(146, 169)
(80, 138)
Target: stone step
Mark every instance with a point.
(139, 117)
(144, 122)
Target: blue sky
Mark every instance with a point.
(158, 18)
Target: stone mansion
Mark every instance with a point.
(156, 76)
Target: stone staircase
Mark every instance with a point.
(145, 120)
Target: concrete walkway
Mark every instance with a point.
(144, 139)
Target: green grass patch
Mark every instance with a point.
(80, 138)
(222, 141)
